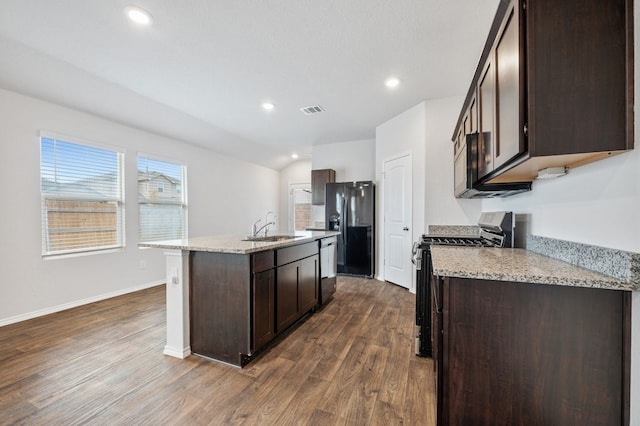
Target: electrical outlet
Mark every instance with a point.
(142, 264)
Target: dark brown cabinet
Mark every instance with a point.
(507, 141)
(554, 87)
(319, 178)
(240, 302)
(220, 306)
(287, 288)
(297, 283)
(470, 125)
(308, 283)
(519, 353)
(263, 328)
(486, 91)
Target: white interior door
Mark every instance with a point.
(397, 220)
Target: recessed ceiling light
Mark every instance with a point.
(392, 82)
(268, 106)
(138, 15)
(294, 156)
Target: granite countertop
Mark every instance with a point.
(235, 243)
(518, 265)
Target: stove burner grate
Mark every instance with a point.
(458, 241)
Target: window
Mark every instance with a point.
(81, 197)
(162, 202)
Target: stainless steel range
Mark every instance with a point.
(497, 229)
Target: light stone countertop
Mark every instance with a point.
(235, 243)
(518, 265)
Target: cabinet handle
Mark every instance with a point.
(525, 129)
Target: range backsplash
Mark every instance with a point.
(620, 264)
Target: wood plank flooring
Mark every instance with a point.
(352, 363)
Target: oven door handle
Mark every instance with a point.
(434, 289)
(416, 255)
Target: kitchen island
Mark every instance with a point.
(227, 297)
(521, 338)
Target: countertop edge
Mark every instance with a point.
(224, 243)
(458, 263)
(533, 279)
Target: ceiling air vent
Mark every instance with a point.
(312, 109)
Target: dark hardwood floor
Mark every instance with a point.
(351, 363)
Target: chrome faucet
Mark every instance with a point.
(257, 230)
(266, 219)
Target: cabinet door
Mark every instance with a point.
(567, 344)
(508, 141)
(486, 103)
(308, 284)
(459, 169)
(286, 296)
(473, 116)
(437, 337)
(263, 325)
(580, 60)
(319, 179)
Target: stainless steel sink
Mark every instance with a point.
(271, 238)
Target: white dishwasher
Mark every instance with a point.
(328, 268)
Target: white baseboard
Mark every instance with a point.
(176, 352)
(76, 303)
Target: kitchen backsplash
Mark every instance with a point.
(620, 264)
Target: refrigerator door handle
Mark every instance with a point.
(343, 224)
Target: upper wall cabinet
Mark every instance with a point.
(319, 180)
(554, 87)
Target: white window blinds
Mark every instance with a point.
(162, 201)
(82, 197)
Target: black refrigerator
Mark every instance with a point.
(350, 209)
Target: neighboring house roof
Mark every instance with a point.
(96, 187)
(148, 176)
(144, 193)
(71, 190)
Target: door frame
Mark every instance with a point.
(302, 186)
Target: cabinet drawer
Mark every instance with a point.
(293, 253)
(262, 261)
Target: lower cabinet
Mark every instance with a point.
(519, 353)
(308, 283)
(263, 301)
(297, 281)
(287, 295)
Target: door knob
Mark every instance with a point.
(405, 228)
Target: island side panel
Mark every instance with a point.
(177, 298)
(220, 305)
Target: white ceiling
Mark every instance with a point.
(202, 70)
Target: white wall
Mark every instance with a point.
(352, 161)
(441, 207)
(597, 204)
(224, 196)
(298, 172)
(405, 133)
